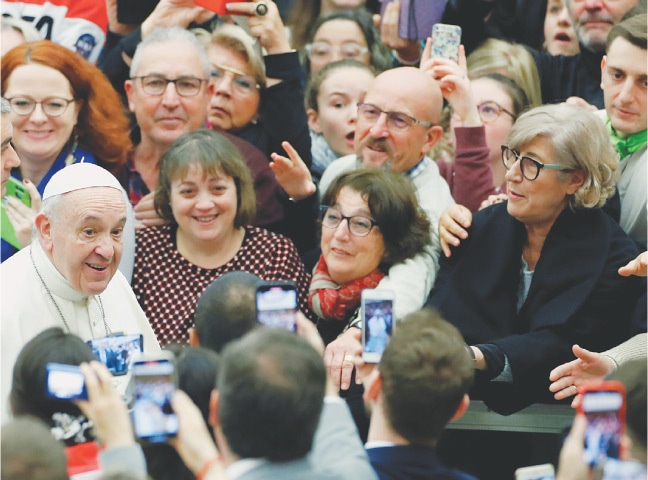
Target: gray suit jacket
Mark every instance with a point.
(337, 453)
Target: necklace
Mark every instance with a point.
(58, 309)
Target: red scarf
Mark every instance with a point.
(331, 301)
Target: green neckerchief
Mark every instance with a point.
(626, 145)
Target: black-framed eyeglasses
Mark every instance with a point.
(324, 50)
(185, 86)
(529, 167)
(397, 121)
(358, 225)
(52, 106)
(242, 84)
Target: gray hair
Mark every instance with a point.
(580, 141)
(4, 106)
(171, 34)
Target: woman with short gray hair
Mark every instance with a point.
(538, 272)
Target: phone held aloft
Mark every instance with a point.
(154, 382)
(65, 382)
(377, 310)
(276, 304)
(445, 41)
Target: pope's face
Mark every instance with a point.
(84, 237)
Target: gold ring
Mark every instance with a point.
(261, 9)
(349, 358)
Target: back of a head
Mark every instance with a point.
(28, 394)
(510, 59)
(271, 389)
(226, 310)
(29, 452)
(426, 370)
(634, 376)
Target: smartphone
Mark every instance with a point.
(154, 382)
(65, 382)
(416, 17)
(16, 189)
(445, 41)
(117, 352)
(377, 310)
(603, 404)
(536, 472)
(217, 6)
(276, 304)
(134, 11)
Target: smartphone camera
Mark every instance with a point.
(378, 323)
(118, 352)
(605, 412)
(154, 379)
(277, 305)
(65, 382)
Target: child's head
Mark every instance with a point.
(331, 98)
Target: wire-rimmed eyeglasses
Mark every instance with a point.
(52, 106)
(398, 121)
(358, 225)
(529, 167)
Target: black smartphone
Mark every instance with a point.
(604, 406)
(65, 382)
(276, 304)
(154, 382)
(117, 352)
(377, 310)
(134, 11)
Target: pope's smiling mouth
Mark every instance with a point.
(98, 268)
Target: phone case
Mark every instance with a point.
(445, 41)
(416, 17)
(15, 189)
(217, 6)
(603, 404)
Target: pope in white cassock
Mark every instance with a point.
(68, 276)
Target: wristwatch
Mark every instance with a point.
(472, 353)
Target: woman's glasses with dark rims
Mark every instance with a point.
(529, 167)
(185, 86)
(358, 225)
(52, 106)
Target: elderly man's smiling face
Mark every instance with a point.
(83, 236)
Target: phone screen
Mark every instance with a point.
(378, 325)
(604, 425)
(277, 306)
(65, 382)
(154, 420)
(117, 353)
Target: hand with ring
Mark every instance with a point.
(340, 355)
(265, 24)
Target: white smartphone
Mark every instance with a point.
(155, 381)
(536, 472)
(445, 41)
(377, 310)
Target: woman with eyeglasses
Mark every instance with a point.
(259, 98)
(345, 35)
(370, 220)
(482, 111)
(538, 273)
(63, 111)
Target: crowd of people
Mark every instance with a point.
(159, 164)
